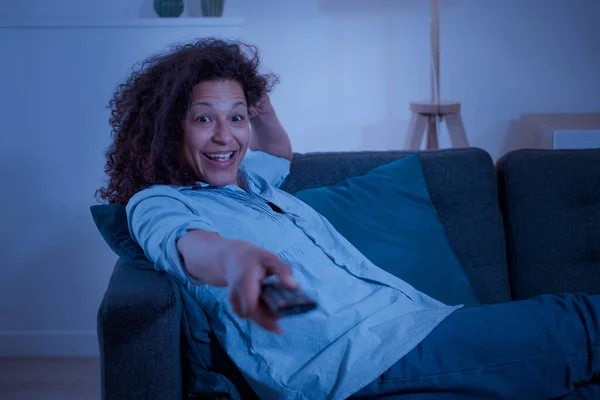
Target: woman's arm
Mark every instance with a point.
(188, 247)
(267, 133)
(203, 255)
(159, 217)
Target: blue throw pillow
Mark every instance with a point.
(388, 216)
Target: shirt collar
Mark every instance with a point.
(244, 181)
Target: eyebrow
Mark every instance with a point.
(210, 105)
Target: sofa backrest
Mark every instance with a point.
(462, 186)
(551, 205)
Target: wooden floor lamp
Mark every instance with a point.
(427, 114)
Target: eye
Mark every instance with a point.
(203, 119)
(237, 118)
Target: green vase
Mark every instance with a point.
(212, 8)
(168, 8)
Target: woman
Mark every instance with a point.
(197, 157)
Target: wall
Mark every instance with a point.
(348, 68)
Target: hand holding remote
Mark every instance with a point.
(283, 301)
(247, 266)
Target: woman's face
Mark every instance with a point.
(216, 132)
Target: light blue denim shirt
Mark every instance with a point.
(366, 321)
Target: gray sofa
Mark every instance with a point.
(528, 225)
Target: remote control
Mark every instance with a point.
(285, 302)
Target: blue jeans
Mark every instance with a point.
(543, 348)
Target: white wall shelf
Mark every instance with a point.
(208, 22)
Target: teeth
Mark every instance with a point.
(220, 156)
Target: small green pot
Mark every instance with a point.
(212, 8)
(168, 8)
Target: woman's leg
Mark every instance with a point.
(541, 348)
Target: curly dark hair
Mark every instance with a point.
(147, 110)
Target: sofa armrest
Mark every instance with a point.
(139, 323)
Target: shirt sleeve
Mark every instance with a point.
(157, 217)
(273, 169)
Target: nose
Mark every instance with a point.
(223, 134)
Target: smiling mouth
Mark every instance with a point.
(221, 157)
